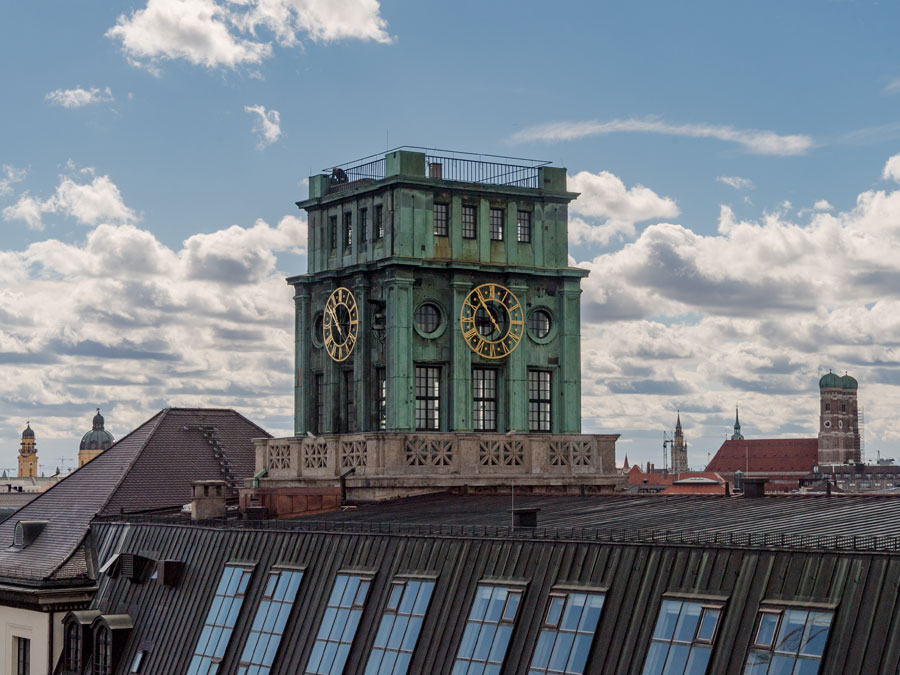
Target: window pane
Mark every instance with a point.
(768, 622)
(791, 631)
(678, 655)
(581, 649)
(708, 624)
(488, 629)
(781, 665)
(698, 660)
(687, 624)
(543, 649)
(816, 634)
(554, 612)
(668, 619)
(339, 624)
(221, 616)
(656, 658)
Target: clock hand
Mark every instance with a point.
(487, 311)
(335, 319)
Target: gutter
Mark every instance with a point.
(262, 473)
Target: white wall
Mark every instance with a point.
(34, 626)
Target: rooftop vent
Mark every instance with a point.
(754, 487)
(27, 531)
(525, 517)
(168, 572)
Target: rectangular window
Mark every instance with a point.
(332, 232)
(428, 398)
(539, 400)
(349, 421)
(788, 641)
(469, 222)
(363, 226)
(683, 638)
(484, 399)
(399, 629)
(380, 399)
(567, 633)
(379, 222)
(319, 403)
(498, 217)
(523, 227)
(843, 407)
(348, 229)
(23, 656)
(441, 220)
(269, 622)
(220, 620)
(339, 623)
(488, 630)
(827, 407)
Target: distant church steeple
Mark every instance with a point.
(28, 454)
(737, 435)
(679, 449)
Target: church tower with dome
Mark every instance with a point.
(839, 437)
(28, 454)
(95, 441)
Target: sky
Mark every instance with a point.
(738, 164)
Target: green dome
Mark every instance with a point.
(28, 433)
(830, 381)
(97, 438)
(848, 382)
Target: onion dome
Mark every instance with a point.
(848, 382)
(97, 438)
(831, 381)
(28, 433)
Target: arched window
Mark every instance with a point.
(73, 646)
(103, 651)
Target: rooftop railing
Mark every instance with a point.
(782, 540)
(448, 165)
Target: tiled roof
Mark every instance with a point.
(150, 468)
(700, 489)
(766, 455)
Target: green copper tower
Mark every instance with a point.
(410, 235)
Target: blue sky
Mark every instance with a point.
(736, 161)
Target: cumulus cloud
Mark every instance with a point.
(266, 124)
(79, 97)
(751, 314)
(736, 182)
(892, 169)
(123, 321)
(823, 205)
(756, 141)
(612, 207)
(216, 34)
(92, 202)
(9, 175)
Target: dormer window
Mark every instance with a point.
(103, 651)
(72, 660)
(78, 641)
(27, 531)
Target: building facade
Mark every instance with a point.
(28, 461)
(94, 441)
(437, 328)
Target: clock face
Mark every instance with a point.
(492, 321)
(340, 324)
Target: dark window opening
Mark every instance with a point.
(379, 222)
(498, 220)
(523, 227)
(103, 652)
(348, 229)
(72, 660)
(539, 400)
(441, 220)
(318, 403)
(428, 317)
(484, 399)
(428, 398)
(332, 232)
(539, 324)
(380, 399)
(349, 421)
(23, 656)
(469, 222)
(363, 226)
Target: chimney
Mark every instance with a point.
(525, 517)
(208, 499)
(755, 488)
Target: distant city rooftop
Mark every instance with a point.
(448, 165)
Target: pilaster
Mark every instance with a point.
(400, 373)
(460, 376)
(302, 376)
(567, 398)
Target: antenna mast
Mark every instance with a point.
(666, 443)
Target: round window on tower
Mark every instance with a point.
(840, 424)
(541, 326)
(429, 320)
(317, 330)
(827, 424)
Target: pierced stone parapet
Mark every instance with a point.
(425, 451)
(501, 453)
(353, 454)
(278, 456)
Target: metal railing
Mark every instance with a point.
(867, 543)
(446, 165)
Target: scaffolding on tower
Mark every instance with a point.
(860, 436)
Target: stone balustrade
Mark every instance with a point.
(404, 455)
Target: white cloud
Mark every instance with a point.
(267, 125)
(736, 182)
(123, 321)
(823, 205)
(79, 97)
(10, 175)
(615, 207)
(98, 200)
(225, 34)
(892, 169)
(892, 87)
(760, 142)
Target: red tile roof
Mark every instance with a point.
(767, 455)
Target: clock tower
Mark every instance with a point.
(438, 328)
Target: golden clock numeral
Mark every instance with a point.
(469, 334)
